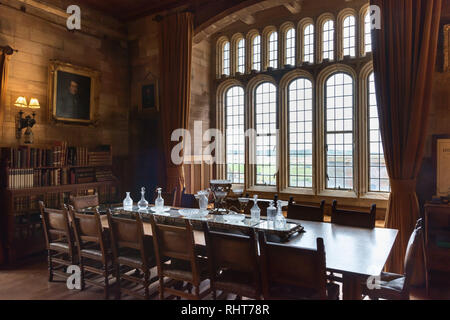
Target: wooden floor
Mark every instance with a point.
(30, 283)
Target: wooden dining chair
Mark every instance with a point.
(59, 241)
(397, 286)
(188, 200)
(133, 256)
(233, 263)
(83, 202)
(306, 212)
(95, 258)
(176, 243)
(353, 218)
(169, 197)
(289, 273)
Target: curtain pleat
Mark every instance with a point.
(176, 32)
(404, 57)
(4, 63)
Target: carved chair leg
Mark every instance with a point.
(106, 282)
(117, 270)
(161, 288)
(197, 291)
(83, 283)
(146, 284)
(50, 266)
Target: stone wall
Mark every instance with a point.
(41, 36)
(38, 41)
(145, 130)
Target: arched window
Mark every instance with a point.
(226, 59)
(339, 131)
(378, 177)
(308, 44)
(349, 36)
(234, 134)
(266, 134)
(367, 33)
(241, 56)
(273, 50)
(328, 40)
(290, 47)
(256, 63)
(295, 130)
(300, 133)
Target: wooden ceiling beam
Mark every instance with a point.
(294, 7)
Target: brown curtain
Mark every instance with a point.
(404, 61)
(4, 62)
(176, 33)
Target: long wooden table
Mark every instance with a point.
(355, 253)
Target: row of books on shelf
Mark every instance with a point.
(30, 204)
(30, 178)
(59, 155)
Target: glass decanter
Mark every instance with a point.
(271, 212)
(143, 204)
(280, 220)
(159, 201)
(128, 203)
(202, 197)
(255, 211)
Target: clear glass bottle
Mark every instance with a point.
(255, 211)
(203, 200)
(159, 201)
(280, 220)
(143, 204)
(128, 203)
(271, 212)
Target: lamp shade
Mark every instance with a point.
(21, 102)
(34, 104)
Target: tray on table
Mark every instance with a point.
(217, 221)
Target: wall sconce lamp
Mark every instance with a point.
(29, 121)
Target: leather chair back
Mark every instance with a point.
(56, 225)
(88, 230)
(127, 234)
(302, 268)
(353, 218)
(411, 252)
(231, 251)
(306, 212)
(83, 202)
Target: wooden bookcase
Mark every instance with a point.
(21, 233)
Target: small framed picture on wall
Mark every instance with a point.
(149, 96)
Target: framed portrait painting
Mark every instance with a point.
(73, 93)
(149, 96)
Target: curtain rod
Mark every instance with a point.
(8, 50)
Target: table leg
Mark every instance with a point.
(351, 287)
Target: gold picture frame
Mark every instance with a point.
(148, 96)
(73, 94)
(441, 155)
